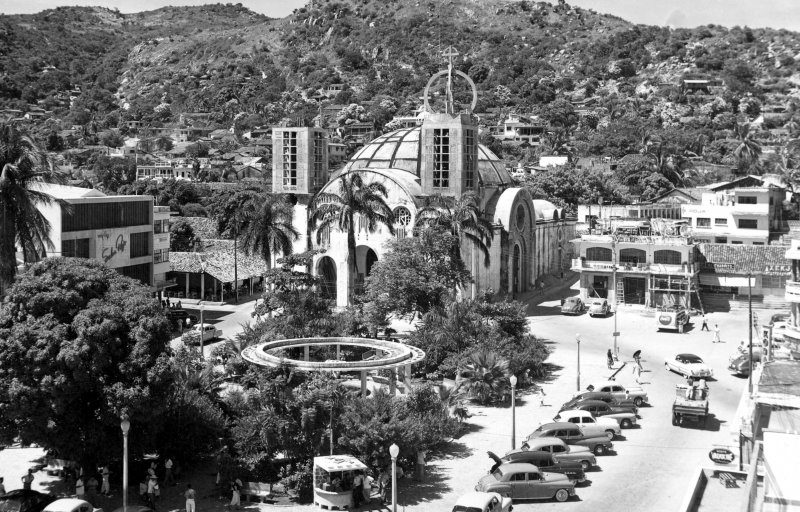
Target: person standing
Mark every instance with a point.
(2, 487)
(168, 478)
(610, 359)
(106, 487)
(716, 334)
(236, 499)
(27, 480)
(189, 495)
(80, 489)
(367, 488)
(637, 372)
(705, 324)
(91, 490)
(152, 483)
(358, 489)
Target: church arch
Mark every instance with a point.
(326, 270)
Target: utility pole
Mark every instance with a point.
(750, 330)
(616, 299)
(236, 256)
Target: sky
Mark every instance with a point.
(677, 13)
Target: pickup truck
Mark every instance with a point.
(572, 434)
(598, 408)
(592, 426)
(562, 451)
(207, 331)
(605, 396)
(621, 392)
(546, 462)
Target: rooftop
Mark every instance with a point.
(755, 259)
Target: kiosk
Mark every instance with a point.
(333, 480)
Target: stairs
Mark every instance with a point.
(722, 302)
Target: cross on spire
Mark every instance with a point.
(450, 52)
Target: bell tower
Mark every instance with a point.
(449, 141)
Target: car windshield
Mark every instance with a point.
(497, 473)
(464, 508)
(597, 303)
(571, 300)
(692, 359)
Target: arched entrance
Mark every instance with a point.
(326, 270)
(365, 258)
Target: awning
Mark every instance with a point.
(723, 280)
(339, 463)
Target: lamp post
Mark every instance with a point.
(202, 332)
(125, 425)
(394, 451)
(513, 380)
(616, 299)
(578, 339)
(750, 330)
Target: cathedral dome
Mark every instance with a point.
(400, 149)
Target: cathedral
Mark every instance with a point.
(442, 157)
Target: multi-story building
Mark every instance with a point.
(117, 230)
(744, 215)
(300, 159)
(161, 241)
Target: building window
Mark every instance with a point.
(161, 226)
(598, 254)
(470, 158)
(75, 248)
(86, 216)
(140, 244)
(402, 221)
(667, 257)
(289, 162)
(521, 217)
(441, 158)
(703, 222)
(748, 223)
(161, 256)
(721, 240)
(139, 272)
(758, 243)
(736, 242)
(747, 200)
(720, 222)
(318, 169)
(632, 256)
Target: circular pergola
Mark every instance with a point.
(386, 355)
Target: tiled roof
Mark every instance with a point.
(754, 259)
(204, 228)
(217, 260)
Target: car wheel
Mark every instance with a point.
(610, 435)
(638, 401)
(562, 495)
(586, 465)
(599, 449)
(625, 423)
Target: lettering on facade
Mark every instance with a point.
(777, 270)
(109, 249)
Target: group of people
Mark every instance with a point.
(704, 327)
(362, 483)
(149, 488)
(166, 304)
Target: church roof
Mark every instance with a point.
(400, 149)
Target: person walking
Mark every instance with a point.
(236, 498)
(385, 486)
(152, 484)
(189, 495)
(610, 359)
(105, 489)
(358, 489)
(637, 372)
(705, 324)
(168, 478)
(368, 480)
(27, 480)
(716, 334)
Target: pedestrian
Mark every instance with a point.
(358, 489)
(705, 323)
(716, 334)
(368, 481)
(637, 373)
(143, 491)
(189, 495)
(236, 499)
(152, 482)
(637, 356)
(384, 486)
(2, 487)
(91, 490)
(27, 480)
(540, 392)
(742, 347)
(610, 359)
(168, 478)
(179, 306)
(80, 489)
(420, 476)
(106, 487)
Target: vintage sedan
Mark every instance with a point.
(598, 408)
(621, 392)
(71, 505)
(599, 307)
(20, 500)
(589, 424)
(621, 404)
(546, 462)
(483, 502)
(563, 451)
(571, 433)
(690, 366)
(522, 481)
(572, 306)
(741, 365)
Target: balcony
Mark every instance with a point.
(792, 291)
(579, 265)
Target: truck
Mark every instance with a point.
(674, 317)
(691, 402)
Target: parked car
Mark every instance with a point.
(621, 414)
(779, 330)
(780, 317)
(571, 433)
(71, 505)
(476, 501)
(207, 331)
(690, 366)
(546, 462)
(572, 306)
(621, 392)
(526, 482)
(599, 307)
(589, 424)
(603, 396)
(741, 365)
(20, 500)
(562, 451)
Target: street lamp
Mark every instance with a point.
(616, 299)
(125, 425)
(394, 451)
(513, 380)
(578, 339)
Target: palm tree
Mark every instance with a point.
(748, 150)
(268, 229)
(355, 198)
(484, 377)
(22, 165)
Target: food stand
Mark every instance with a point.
(327, 472)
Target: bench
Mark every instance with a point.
(727, 479)
(258, 489)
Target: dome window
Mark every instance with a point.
(520, 217)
